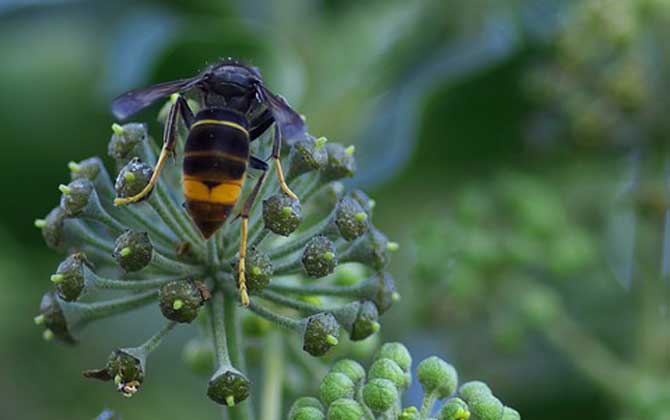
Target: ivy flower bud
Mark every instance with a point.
(510, 414)
(133, 178)
(321, 334)
(341, 162)
(69, 277)
(366, 322)
(53, 319)
(370, 249)
(482, 403)
(306, 413)
(345, 409)
(306, 155)
(318, 257)
(380, 395)
(305, 402)
(350, 218)
(180, 300)
(437, 376)
(52, 229)
(133, 250)
(124, 368)
(410, 413)
(335, 386)
(387, 369)
(86, 169)
(228, 386)
(76, 196)
(380, 289)
(454, 409)
(352, 369)
(396, 352)
(281, 214)
(124, 140)
(258, 270)
(198, 355)
(364, 200)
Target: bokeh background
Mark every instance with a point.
(518, 151)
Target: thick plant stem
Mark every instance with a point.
(273, 366)
(243, 410)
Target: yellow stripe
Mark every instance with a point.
(224, 193)
(221, 122)
(214, 153)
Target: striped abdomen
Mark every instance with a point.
(215, 163)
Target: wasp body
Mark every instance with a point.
(236, 108)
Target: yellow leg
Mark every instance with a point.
(241, 281)
(282, 181)
(152, 182)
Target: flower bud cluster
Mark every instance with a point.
(151, 253)
(348, 392)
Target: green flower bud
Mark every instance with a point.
(335, 386)
(86, 169)
(124, 141)
(198, 355)
(133, 178)
(53, 319)
(454, 409)
(510, 414)
(306, 413)
(124, 368)
(345, 409)
(180, 300)
(341, 163)
(396, 352)
(350, 274)
(380, 395)
(258, 270)
(387, 369)
(366, 322)
(352, 369)
(76, 196)
(281, 214)
(69, 277)
(371, 249)
(350, 218)
(133, 250)
(486, 407)
(366, 202)
(410, 413)
(437, 376)
(305, 402)
(306, 155)
(52, 229)
(321, 334)
(380, 289)
(228, 386)
(318, 257)
(472, 389)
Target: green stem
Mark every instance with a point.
(321, 290)
(301, 239)
(218, 329)
(281, 320)
(183, 222)
(99, 282)
(79, 314)
(155, 341)
(164, 263)
(291, 303)
(273, 366)
(428, 404)
(243, 410)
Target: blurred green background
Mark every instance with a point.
(517, 150)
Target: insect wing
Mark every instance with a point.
(132, 101)
(291, 125)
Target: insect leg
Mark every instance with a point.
(241, 279)
(179, 107)
(276, 148)
(260, 124)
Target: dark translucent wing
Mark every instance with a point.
(291, 125)
(132, 101)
